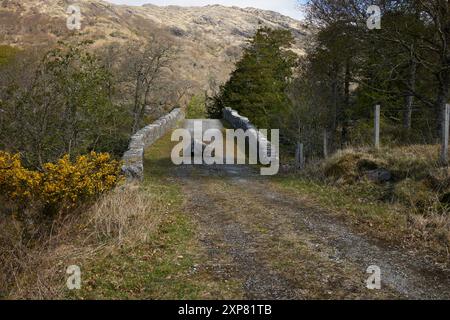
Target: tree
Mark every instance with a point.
(309, 115)
(403, 66)
(62, 106)
(258, 86)
(144, 69)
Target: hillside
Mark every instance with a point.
(209, 38)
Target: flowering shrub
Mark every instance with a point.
(16, 182)
(88, 176)
(61, 184)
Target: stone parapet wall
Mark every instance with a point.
(133, 159)
(239, 122)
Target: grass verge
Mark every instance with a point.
(409, 209)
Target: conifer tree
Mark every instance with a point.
(257, 88)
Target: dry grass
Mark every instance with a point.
(433, 228)
(347, 166)
(37, 270)
(124, 216)
(412, 161)
(419, 186)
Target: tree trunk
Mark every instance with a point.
(409, 98)
(137, 102)
(335, 104)
(441, 102)
(346, 106)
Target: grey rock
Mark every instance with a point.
(178, 32)
(379, 175)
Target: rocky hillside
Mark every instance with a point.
(210, 38)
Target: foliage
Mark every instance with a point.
(17, 182)
(196, 108)
(64, 107)
(349, 68)
(215, 106)
(86, 177)
(257, 88)
(61, 185)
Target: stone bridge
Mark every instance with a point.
(133, 158)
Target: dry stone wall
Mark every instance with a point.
(239, 122)
(133, 159)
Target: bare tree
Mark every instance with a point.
(146, 67)
(438, 44)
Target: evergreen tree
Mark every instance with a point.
(257, 88)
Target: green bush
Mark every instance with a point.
(68, 108)
(197, 107)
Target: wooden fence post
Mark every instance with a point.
(325, 144)
(445, 128)
(299, 156)
(377, 126)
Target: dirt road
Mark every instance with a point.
(280, 247)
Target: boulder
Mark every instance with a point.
(379, 175)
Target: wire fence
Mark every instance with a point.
(386, 129)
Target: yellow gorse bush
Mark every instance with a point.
(64, 182)
(16, 182)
